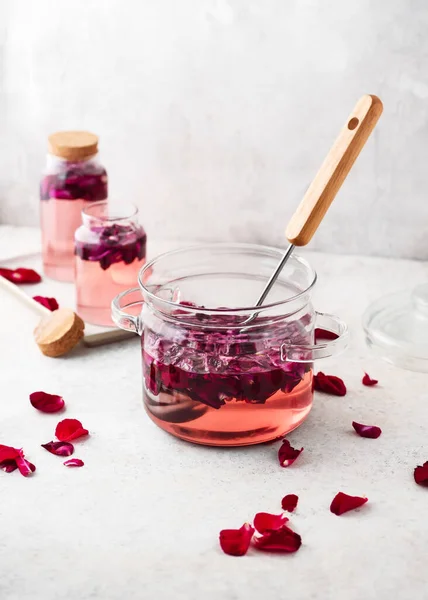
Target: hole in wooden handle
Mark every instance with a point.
(353, 123)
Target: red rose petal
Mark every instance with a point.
(74, 462)
(8, 453)
(367, 431)
(236, 542)
(341, 503)
(367, 380)
(329, 384)
(12, 459)
(289, 502)
(421, 474)
(48, 403)
(49, 303)
(324, 334)
(20, 275)
(287, 454)
(8, 466)
(59, 448)
(281, 540)
(266, 522)
(24, 466)
(70, 429)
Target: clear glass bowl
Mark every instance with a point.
(208, 377)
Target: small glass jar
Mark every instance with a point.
(110, 248)
(73, 178)
(209, 376)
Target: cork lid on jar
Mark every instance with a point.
(73, 145)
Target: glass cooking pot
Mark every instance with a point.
(208, 376)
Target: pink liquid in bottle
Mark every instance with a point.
(109, 253)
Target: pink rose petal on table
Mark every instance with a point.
(367, 431)
(70, 429)
(289, 502)
(421, 474)
(59, 448)
(48, 403)
(287, 454)
(236, 542)
(280, 540)
(367, 380)
(267, 522)
(12, 459)
(20, 275)
(49, 303)
(342, 503)
(329, 384)
(74, 462)
(324, 334)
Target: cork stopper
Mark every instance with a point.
(59, 332)
(73, 145)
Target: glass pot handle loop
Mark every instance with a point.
(324, 349)
(126, 310)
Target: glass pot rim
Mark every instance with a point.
(233, 248)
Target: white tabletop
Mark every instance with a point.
(141, 519)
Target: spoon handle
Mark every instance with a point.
(334, 170)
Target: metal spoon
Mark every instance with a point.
(327, 182)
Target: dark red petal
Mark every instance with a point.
(329, 384)
(70, 429)
(49, 303)
(289, 502)
(367, 431)
(236, 541)
(341, 503)
(266, 522)
(48, 403)
(281, 540)
(287, 454)
(74, 462)
(324, 334)
(367, 380)
(20, 275)
(421, 474)
(8, 466)
(59, 448)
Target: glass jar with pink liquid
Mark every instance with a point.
(210, 376)
(110, 249)
(73, 179)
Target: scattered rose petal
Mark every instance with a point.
(341, 503)
(287, 454)
(236, 541)
(266, 522)
(70, 429)
(12, 459)
(20, 275)
(49, 303)
(24, 466)
(59, 448)
(421, 474)
(329, 384)
(367, 380)
(324, 334)
(289, 502)
(367, 431)
(74, 462)
(48, 403)
(280, 540)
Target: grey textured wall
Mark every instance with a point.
(215, 114)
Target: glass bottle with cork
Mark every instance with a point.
(72, 180)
